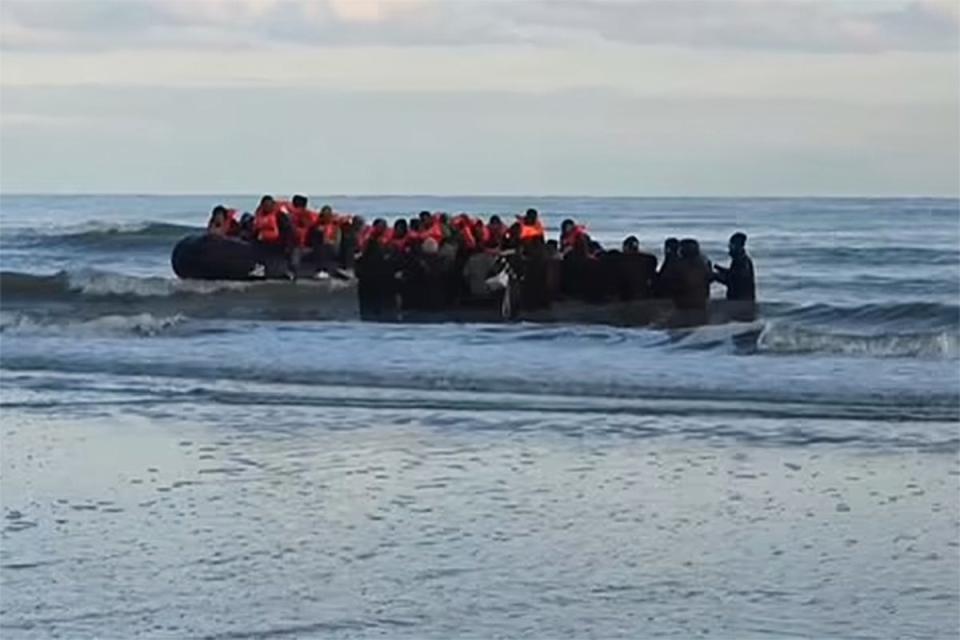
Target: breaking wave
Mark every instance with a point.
(141, 324)
(94, 283)
(787, 339)
(91, 299)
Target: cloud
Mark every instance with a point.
(804, 25)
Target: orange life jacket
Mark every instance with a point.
(530, 231)
(228, 227)
(265, 225)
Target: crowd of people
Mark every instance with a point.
(436, 261)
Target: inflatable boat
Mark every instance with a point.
(210, 257)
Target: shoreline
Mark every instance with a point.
(406, 523)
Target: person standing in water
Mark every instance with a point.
(738, 278)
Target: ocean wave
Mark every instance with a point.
(902, 329)
(880, 316)
(791, 339)
(873, 255)
(141, 324)
(298, 381)
(102, 236)
(96, 283)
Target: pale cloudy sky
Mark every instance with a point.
(660, 97)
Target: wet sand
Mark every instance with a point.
(367, 523)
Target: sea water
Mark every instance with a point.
(231, 460)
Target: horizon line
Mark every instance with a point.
(197, 194)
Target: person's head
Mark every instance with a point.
(267, 203)
(400, 227)
(567, 226)
(530, 217)
(430, 247)
(443, 219)
(495, 222)
(689, 248)
(357, 222)
(219, 213)
(426, 219)
(379, 225)
(414, 224)
(738, 243)
(631, 245)
(511, 238)
(671, 246)
(553, 248)
(299, 201)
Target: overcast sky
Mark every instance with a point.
(596, 97)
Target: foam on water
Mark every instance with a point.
(141, 324)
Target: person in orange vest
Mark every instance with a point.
(496, 230)
(223, 222)
(463, 225)
(399, 242)
(431, 226)
(530, 227)
(266, 225)
(273, 228)
(481, 234)
(375, 233)
(327, 228)
(303, 219)
(572, 235)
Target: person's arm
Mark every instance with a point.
(721, 275)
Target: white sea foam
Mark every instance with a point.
(142, 324)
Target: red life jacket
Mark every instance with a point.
(463, 224)
(570, 239)
(434, 231)
(304, 220)
(233, 225)
(265, 225)
(399, 244)
(494, 235)
(372, 234)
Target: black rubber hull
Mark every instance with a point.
(209, 257)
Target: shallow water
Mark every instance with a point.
(235, 460)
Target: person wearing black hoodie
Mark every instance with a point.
(739, 280)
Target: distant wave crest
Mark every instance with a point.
(101, 236)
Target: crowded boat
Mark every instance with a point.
(436, 264)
